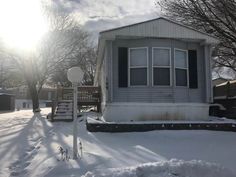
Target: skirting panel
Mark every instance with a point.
(122, 112)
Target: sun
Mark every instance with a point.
(22, 23)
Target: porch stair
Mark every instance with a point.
(64, 111)
(62, 105)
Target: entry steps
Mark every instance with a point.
(64, 111)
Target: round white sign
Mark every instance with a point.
(75, 74)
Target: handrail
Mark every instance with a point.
(87, 95)
(55, 103)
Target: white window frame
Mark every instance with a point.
(153, 66)
(129, 67)
(183, 50)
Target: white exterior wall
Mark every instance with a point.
(158, 28)
(122, 112)
(157, 94)
(182, 109)
(19, 104)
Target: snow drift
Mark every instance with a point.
(172, 168)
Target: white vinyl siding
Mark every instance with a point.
(138, 66)
(161, 66)
(158, 94)
(181, 67)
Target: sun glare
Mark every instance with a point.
(21, 23)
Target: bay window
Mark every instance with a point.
(161, 63)
(181, 67)
(138, 66)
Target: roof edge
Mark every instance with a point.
(171, 21)
(133, 24)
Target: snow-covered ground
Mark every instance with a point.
(29, 146)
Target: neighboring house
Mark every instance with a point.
(218, 81)
(155, 70)
(23, 99)
(225, 94)
(7, 101)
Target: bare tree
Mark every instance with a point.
(86, 59)
(65, 43)
(68, 45)
(216, 17)
(29, 68)
(9, 76)
(3, 72)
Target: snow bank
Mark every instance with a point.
(172, 168)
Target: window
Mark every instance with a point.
(161, 62)
(138, 62)
(181, 67)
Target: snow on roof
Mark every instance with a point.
(25, 87)
(6, 94)
(224, 83)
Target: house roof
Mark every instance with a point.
(159, 27)
(155, 19)
(219, 80)
(225, 83)
(8, 94)
(154, 28)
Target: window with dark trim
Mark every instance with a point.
(161, 63)
(181, 67)
(138, 66)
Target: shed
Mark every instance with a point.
(7, 102)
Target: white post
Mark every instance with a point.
(75, 76)
(75, 148)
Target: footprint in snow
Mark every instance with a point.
(19, 167)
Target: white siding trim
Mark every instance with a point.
(181, 68)
(170, 67)
(137, 67)
(210, 58)
(207, 73)
(111, 46)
